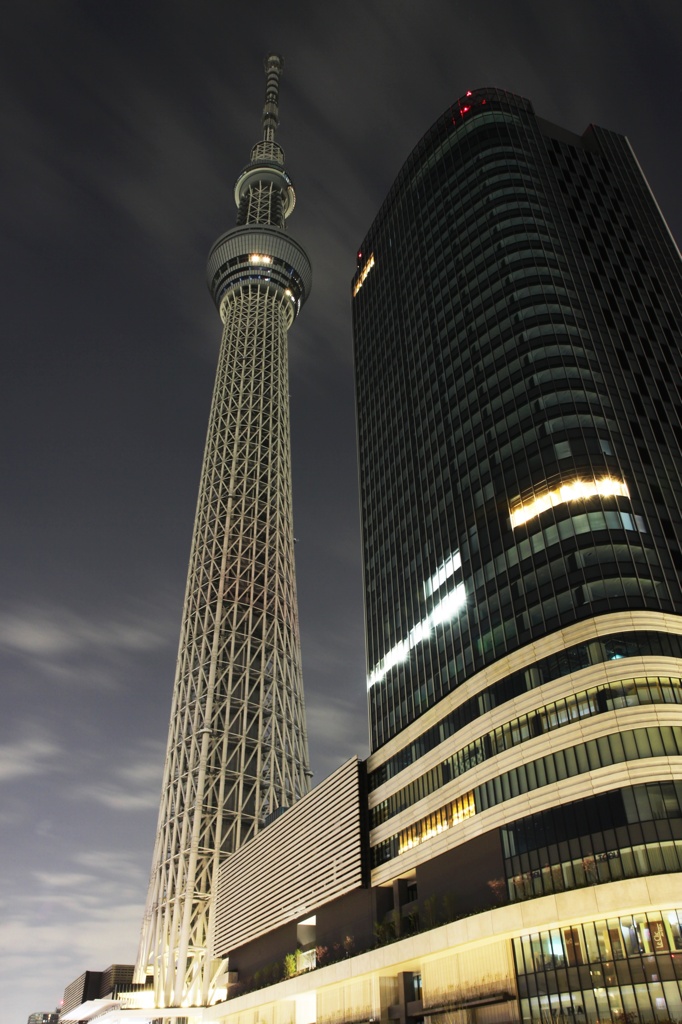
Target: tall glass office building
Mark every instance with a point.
(517, 310)
(517, 313)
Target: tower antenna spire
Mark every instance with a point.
(274, 65)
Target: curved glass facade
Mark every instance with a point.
(516, 319)
(565, 662)
(566, 711)
(517, 309)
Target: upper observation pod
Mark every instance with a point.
(258, 253)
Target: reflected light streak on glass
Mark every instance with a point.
(444, 611)
(451, 564)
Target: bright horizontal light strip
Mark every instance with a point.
(365, 271)
(451, 564)
(442, 612)
(257, 257)
(577, 490)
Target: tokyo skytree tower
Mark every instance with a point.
(237, 747)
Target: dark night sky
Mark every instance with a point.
(124, 126)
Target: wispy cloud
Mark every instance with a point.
(45, 632)
(133, 786)
(80, 913)
(32, 755)
(64, 879)
(86, 937)
(336, 729)
(47, 644)
(115, 864)
(83, 914)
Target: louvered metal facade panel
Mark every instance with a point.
(317, 849)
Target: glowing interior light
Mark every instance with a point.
(451, 564)
(259, 257)
(443, 819)
(289, 294)
(444, 611)
(576, 490)
(363, 274)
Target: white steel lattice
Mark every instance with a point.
(237, 748)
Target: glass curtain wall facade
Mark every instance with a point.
(517, 307)
(516, 319)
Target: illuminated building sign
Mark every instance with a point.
(444, 611)
(576, 490)
(363, 274)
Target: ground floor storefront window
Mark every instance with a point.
(626, 970)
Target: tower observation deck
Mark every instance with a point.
(237, 747)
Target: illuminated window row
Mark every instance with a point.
(363, 274)
(625, 861)
(576, 844)
(576, 490)
(444, 611)
(554, 666)
(630, 745)
(599, 942)
(574, 708)
(432, 825)
(520, 439)
(541, 537)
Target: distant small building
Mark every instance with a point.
(93, 991)
(85, 987)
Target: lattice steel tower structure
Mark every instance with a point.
(237, 747)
